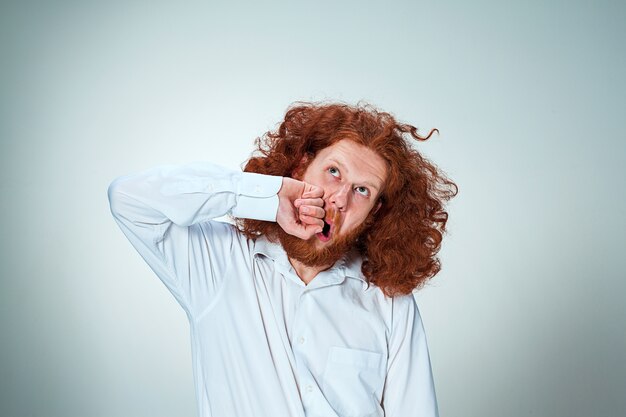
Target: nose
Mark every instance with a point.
(340, 196)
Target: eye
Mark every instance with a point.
(333, 171)
(363, 191)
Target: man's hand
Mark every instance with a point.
(300, 211)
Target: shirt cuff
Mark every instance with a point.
(257, 197)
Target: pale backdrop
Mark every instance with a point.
(526, 318)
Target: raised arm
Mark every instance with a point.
(165, 213)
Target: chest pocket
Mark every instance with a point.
(353, 381)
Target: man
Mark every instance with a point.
(304, 308)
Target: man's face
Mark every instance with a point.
(352, 177)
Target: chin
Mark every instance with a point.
(315, 252)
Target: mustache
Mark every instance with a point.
(333, 217)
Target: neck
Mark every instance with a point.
(305, 272)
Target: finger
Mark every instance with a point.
(312, 191)
(309, 202)
(312, 211)
(305, 231)
(311, 221)
(297, 229)
(311, 230)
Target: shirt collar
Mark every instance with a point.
(349, 265)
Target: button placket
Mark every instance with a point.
(300, 337)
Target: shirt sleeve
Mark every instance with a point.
(166, 211)
(409, 388)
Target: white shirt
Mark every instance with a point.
(263, 342)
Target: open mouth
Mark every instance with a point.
(325, 234)
(326, 229)
(330, 224)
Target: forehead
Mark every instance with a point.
(361, 163)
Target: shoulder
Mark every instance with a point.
(405, 312)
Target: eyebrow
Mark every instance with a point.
(343, 168)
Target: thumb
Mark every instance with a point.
(312, 191)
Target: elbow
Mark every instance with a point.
(114, 195)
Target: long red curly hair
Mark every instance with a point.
(399, 248)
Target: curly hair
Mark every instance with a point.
(399, 248)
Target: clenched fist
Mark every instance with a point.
(300, 208)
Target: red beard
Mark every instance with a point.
(305, 251)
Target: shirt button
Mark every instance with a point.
(301, 340)
(309, 388)
(257, 189)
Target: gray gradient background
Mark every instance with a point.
(527, 317)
